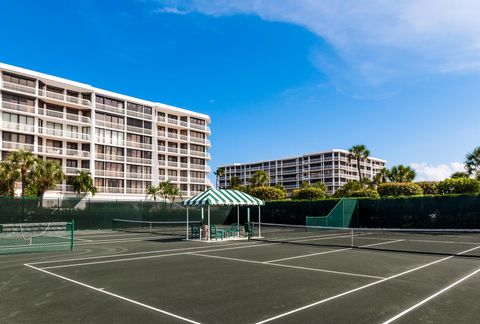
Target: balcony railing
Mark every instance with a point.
(18, 87)
(63, 97)
(183, 138)
(138, 114)
(137, 191)
(139, 130)
(110, 108)
(201, 154)
(17, 146)
(162, 177)
(110, 190)
(138, 160)
(183, 179)
(138, 145)
(172, 121)
(172, 149)
(109, 157)
(160, 134)
(161, 162)
(172, 178)
(172, 164)
(18, 127)
(102, 123)
(200, 127)
(184, 165)
(18, 107)
(64, 133)
(172, 135)
(60, 115)
(75, 170)
(197, 180)
(108, 173)
(161, 119)
(63, 188)
(161, 148)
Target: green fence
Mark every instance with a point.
(93, 214)
(340, 216)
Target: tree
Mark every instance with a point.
(154, 192)
(259, 179)
(267, 193)
(165, 190)
(8, 176)
(83, 183)
(358, 153)
(380, 177)
(472, 162)
(219, 173)
(459, 175)
(173, 192)
(347, 189)
(401, 173)
(235, 183)
(22, 161)
(45, 175)
(308, 193)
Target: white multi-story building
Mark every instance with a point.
(330, 167)
(127, 144)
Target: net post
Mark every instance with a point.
(72, 228)
(259, 222)
(351, 237)
(187, 224)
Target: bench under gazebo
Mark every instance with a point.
(222, 197)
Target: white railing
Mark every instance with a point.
(173, 135)
(161, 119)
(200, 127)
(172, 150)
(138, 145)
(197, 180)
(172, 178)
(18, 87)
(63, 133)
(63, 97)
(161, 148)
(18, 127)
(134, 175)
(162, 178)
(63, 188)
(184, 165)
(137, 191)
(109, 108)
(183, 137)
(139, 130)
(17, 146)
(102, 123)
(110, 190)
(75, 170)
(18, 107)
(173, 121)
(50, 150)
(161, 162)
(110, 157)
(138, 160)
(198, 167)
(138, 114)
(50, 113)
(108, 173)
(183, 151)
(183, 179)
(203, 154)
(160, 134)
(183, 123)
(77, 153)
(172, 164)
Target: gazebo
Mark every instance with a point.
(223, 197)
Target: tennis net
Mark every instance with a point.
(464, 242)
(172, 229)
(29, 237)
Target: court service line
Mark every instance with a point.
(431, 297)
(103, 291)
(328, 252)
(286, 266)
(144, 257)
(130, 254)
(362, 287)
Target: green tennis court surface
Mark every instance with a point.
(116, 277)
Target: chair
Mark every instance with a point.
(195, 231)
(234, 230)
(216, 233)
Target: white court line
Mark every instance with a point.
(431, 297)
(109, 235)
(103, 291)
(144, 257)
(362, 287)
(286, 266)
(328, 252)
(130, 254)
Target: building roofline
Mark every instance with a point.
(296, 157)
(87, 87)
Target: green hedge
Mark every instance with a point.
(308, 193)
(458, 186)
(428, 187)
(267, 193)
(395, 189)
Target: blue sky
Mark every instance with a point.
(278, 78)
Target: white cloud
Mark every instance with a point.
(435, 172)
(377, 41)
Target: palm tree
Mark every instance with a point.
(358, 153)
(235, 182)
(472, 162)
(9, 175)
(22, 161)
(173, 192)
(259, 179)
(401, 173)
(165, 188)
(219, 173)
(381, 177)
(45, 176)
(154, 192)
(457, 175)
(83, 183)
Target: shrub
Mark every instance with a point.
(428, 187)
(458, 186)
(267, 193)
(369, 193)
(395, 189)
(308, 193)
(347, 189)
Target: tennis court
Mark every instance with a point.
(289, 276)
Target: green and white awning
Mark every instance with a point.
(223, 197)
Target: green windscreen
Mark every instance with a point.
(340, 216)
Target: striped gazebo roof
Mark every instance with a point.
(223, 197)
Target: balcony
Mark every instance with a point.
(63, 133)
(161, 119)
(204, 154)
(18, 107)
(109, 157)
(17, 146)
(108, 173)
(161, 163)
(136, 191)
(75, 170)
(197, 180)
(161, 148)
(172, 121)
(138, 145)
(139, 130)
(138, 114)
(172, 149)
(183, 138)
(183, 151)
(162, 177)
(110, 190)
(131, 159)
(65, 117)
(161, 134)
(108, 108)
(64, 98)
(183, 179)
(172, 178)
(200, 167)
(102, 123)
(172, 164)
(18, 127)
(133, 175)
(18, 87)
(204, 128)
(184, 165)
(63, 188)
(172, 135)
